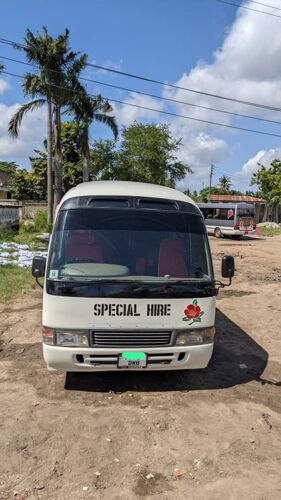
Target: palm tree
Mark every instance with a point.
(225, 183)
(55, 84)
(86, 110)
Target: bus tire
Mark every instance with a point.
(218, 233)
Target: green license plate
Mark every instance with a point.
(132, 360)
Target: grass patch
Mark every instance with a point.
(270, 231)
(14, 282)
(23, 236)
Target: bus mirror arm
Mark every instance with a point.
(227, 270)
(220, 284)
(38, 282)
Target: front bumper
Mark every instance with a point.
(63, 359)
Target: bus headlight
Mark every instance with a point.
(195, 337)
(66, 338)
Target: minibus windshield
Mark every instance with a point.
(246, 212)
(129, 245)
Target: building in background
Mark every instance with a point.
(5, 188)
(264, 212)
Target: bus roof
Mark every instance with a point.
(225, 205)
(126, 188)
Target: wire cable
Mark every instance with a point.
(209, 122)
(265, 5)
(166, 84)
(154, 95)
(248, 8)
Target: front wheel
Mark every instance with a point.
(218, 233)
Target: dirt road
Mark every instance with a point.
(214, 433)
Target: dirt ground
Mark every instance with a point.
(213, 433)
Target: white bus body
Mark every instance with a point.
(229, 219)
(129, 281)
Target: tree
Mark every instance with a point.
(147, 154)
(56, 84)
(86, 110)
(103, 160)
(23, 185)
(225, 183)
(269, 182)
(33, 184)
(8, 167)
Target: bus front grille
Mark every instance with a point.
(131, 338)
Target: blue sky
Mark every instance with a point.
(175, 41)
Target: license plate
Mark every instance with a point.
(132, 360)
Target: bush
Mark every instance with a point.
(269, 231)
(41, 221)
(39, 224)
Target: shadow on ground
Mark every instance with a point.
(237, 359)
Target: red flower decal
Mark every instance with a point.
(193, 313)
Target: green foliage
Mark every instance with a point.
(23, 185)
(40, 223)
(225, 183)
(103, 160)
(269, 231)
(14, 282)
(147, 154)
(23, 236)
(33, 185)
(269, 182)
(8, 167)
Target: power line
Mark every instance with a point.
(154, 95)
(165, 84)
(208, 122)
(265, 5)
(248, 8)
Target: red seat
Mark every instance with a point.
(141, 266)
(172, 259)
(82, 246)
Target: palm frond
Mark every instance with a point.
(109, 121)
(15, 122)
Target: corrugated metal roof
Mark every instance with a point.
(235, 198)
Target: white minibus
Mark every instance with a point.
(229, 219)
(129, 281)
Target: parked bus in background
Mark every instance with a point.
(229, 219)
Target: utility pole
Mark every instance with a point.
(211, 176)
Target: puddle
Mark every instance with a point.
(19, 255)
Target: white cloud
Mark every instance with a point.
(248, 67)
(3, 86)
(126, 115)
(243, 177)
(199, 153)
(31, 133)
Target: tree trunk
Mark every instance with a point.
(58, 158)
(86, 155)
(50, 192)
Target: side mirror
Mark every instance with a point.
(227, 266)
(38, 266)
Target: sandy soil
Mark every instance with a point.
(113, 436)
